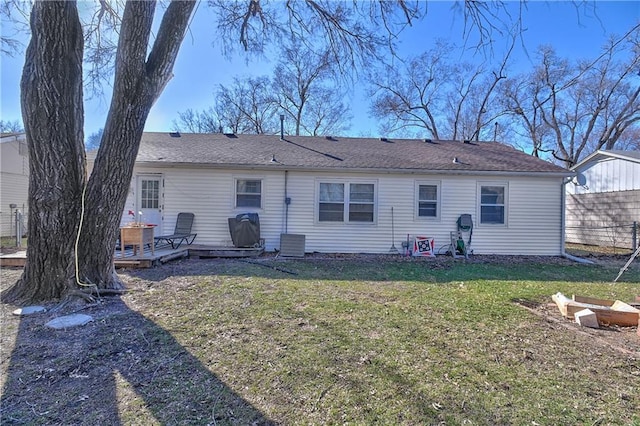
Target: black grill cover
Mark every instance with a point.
(245, 230)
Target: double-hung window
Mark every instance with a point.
(428, 199)
(331, 202)
(493, 203)
(346, 202)
(361, 202)
(249, 193)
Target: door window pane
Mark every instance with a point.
(150, 194)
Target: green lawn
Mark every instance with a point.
(373, 341)
(404, 343)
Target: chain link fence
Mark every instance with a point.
(14, 227)
(604, 239)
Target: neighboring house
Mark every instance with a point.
(340, 192)
(14, 180)
(603, 200)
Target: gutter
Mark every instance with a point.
(236, 166)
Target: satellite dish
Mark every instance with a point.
(581, 179)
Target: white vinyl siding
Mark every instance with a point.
(606, 175)
(533, 210)
(14, 182)
(603, 200)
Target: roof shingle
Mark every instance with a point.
(338, 153)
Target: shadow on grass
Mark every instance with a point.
(122, 368)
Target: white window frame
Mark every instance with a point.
(346, 202)
(505, 204)
(236, 193)
(438, 186)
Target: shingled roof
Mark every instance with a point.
(338, 153)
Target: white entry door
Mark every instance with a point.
(149, 200)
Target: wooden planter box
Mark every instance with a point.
(137, 236)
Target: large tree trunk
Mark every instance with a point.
(51, 97)
(138, 82)
(53, 117)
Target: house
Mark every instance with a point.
(14, 180)
(603, 200)
(351, 195)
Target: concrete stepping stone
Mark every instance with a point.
(28, 310)
(68, 321)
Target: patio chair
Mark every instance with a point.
(182, 232)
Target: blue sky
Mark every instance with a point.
(201, 67)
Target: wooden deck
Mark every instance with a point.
(163, 254)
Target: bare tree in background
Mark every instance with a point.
(629, 140)
(325, 114)
(308, 92)
(192, 121)
(93, 140)
(573, 109)
(14, 126)
(10, 11)
(304, 88)
(246, 106)
(251, 100)
(437, 96)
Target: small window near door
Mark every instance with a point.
(249, 193)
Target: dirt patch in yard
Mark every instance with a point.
(625, 340)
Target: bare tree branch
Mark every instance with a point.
(579, 108)
(439, 95)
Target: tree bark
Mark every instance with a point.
(53, 116)
(51, 98)
(138, 82)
